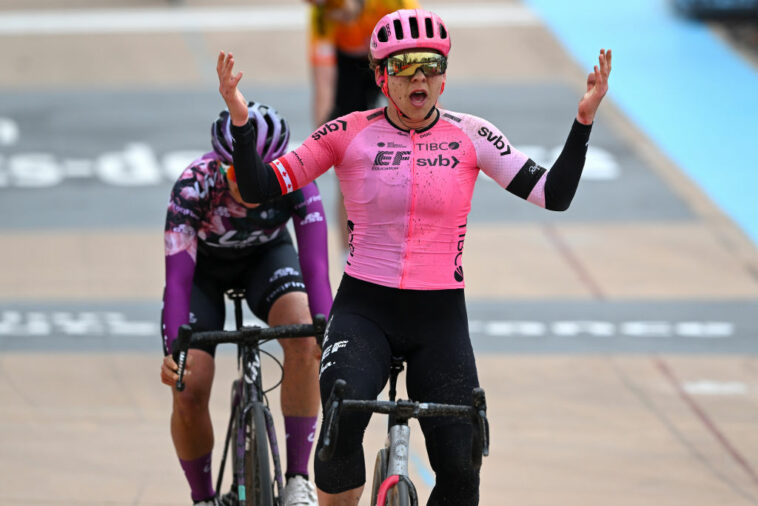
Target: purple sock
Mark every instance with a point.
(198, 473)
(300, 433)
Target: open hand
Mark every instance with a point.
(227, 86)
(597, 87)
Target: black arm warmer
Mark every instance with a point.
(563, 177)
(256, 180)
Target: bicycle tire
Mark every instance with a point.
(380, 473)
(399, 495)
(258, 489)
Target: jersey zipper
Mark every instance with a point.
(412, 210)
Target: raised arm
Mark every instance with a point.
(597, 87)
(563, 177)
(553, 189)
(257, 181)
(227, 86)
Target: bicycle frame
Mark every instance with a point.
(397, 449)
(398, 437)
(248, 393)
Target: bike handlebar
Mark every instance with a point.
(403, 410)
(245, 335)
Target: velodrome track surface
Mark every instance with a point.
(616, 342)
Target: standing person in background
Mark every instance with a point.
(340, 31)
(215, 241)
(407, 172)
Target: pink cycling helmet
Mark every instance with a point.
(409, 29)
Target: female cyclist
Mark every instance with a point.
(407, 173)
(216, 241)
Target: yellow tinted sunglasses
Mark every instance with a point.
(406, 64)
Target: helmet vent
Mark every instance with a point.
(271, 133)
(408, 29)
(285, 135)
(398, 30)
(414, 27)
(269, 127)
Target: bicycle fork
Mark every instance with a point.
(397, 446)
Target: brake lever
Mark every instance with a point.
(319, 327)
(180, 348)
(326, 452)
(480, 405)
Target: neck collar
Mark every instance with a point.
(434, 112)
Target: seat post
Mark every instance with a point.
(237, 295)
(396, 367)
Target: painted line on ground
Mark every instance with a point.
(140, 164)
(701, 415)
(263, 18)
(30, 324)
(715, 388)
(574, 262)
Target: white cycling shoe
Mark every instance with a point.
(299, 492)
(209, 502)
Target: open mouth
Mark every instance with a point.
(418, 98)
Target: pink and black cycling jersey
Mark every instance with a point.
(408, 193)
(202, 215)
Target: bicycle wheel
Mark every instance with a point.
(398, 495)
(380, 473)
(257, 489)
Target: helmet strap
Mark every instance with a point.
(386, 91)
(401, 114)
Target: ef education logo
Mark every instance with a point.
(498, 141)
(332, 126)
(390, 144)
(389, 160)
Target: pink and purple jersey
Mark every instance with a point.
(202, 214)
(408, 193)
